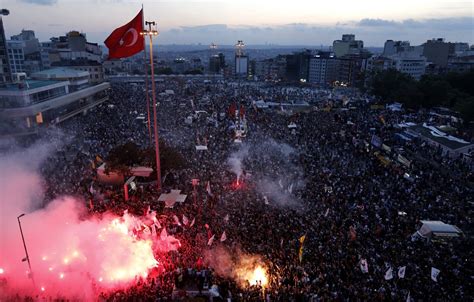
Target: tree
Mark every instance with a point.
(170, 158)
(466, 109)
(123, 157)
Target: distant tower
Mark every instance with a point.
(213, 47)
(241, 60)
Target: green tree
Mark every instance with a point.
(170, 158)
(123, 157)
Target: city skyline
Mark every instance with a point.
(276, 22)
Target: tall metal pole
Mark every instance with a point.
(26, 250)
(152, 33)
(147, 93)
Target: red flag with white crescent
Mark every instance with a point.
(126, 40)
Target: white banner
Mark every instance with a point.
(364, 267)
(401, 272)
(389, 274)
(434, 274)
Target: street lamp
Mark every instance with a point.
(26, 250)
(153, 32)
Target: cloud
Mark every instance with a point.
(40, 2)
(374, 32)
(376, 22)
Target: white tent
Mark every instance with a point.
(436, 229)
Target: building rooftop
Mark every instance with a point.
(26, 85)
(59, 73)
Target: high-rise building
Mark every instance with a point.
(297, 66)
(437, 52)
(16, 56)
(241, 67)
(322, 68)
(347, 46)
(5, 73)
(216, 63)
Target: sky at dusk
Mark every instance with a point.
(295, 22)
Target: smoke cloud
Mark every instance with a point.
(244, 268)
(73, 254)
(274, 170)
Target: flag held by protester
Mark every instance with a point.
(401, 272)
(211, 240)
(389, 274)
(364, 267)
(300, 252)
(223, 237)
(434, 274)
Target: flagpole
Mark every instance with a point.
(152, 33)
(147, 93)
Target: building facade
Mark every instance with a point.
(16, 56)
(322, 68)
(347, 46)
(5, 73)
(29, 106)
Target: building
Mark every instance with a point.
(461, 63)
(271, 69)
(437, 52)
(54, 96)
(16, 56)
(413, 65)
(347, 46)
(5, 72)
(180, 65)
(73, 46)
(349, 69)
(297, 66)
(30, 42)
(77, 79)
(396, 47)
(406, 62)
(241, 62)
(95, 69)
(241, 68)
(216, 63)
(116, 66)
(322, 68)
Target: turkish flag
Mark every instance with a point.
(126, 40)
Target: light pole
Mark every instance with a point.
(153, 32)
(26, 250)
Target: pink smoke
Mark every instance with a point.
(72, 253)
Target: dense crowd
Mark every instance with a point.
(322, 179)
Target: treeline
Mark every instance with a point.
(452, 90)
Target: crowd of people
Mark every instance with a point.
(321, 179)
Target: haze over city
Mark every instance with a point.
(280, 22)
